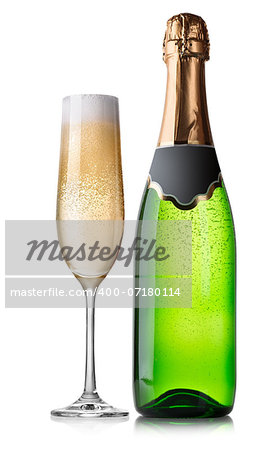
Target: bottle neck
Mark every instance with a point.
(185, 119)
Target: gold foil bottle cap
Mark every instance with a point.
(187, 35)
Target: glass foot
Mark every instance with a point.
(89, 406)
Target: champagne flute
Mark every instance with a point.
(90, 207)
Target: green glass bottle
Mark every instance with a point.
(184, 355)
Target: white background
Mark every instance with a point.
(55, 48)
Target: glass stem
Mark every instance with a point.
(90, 378)
(90, 286)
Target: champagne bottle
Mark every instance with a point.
(184, 356)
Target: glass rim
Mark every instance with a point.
(92, 96)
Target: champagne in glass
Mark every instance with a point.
(90, 208)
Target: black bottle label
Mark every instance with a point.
(185, 174)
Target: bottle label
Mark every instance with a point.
(185, 174)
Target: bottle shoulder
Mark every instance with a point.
(155, 208)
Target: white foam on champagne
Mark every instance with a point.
(90, 108)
